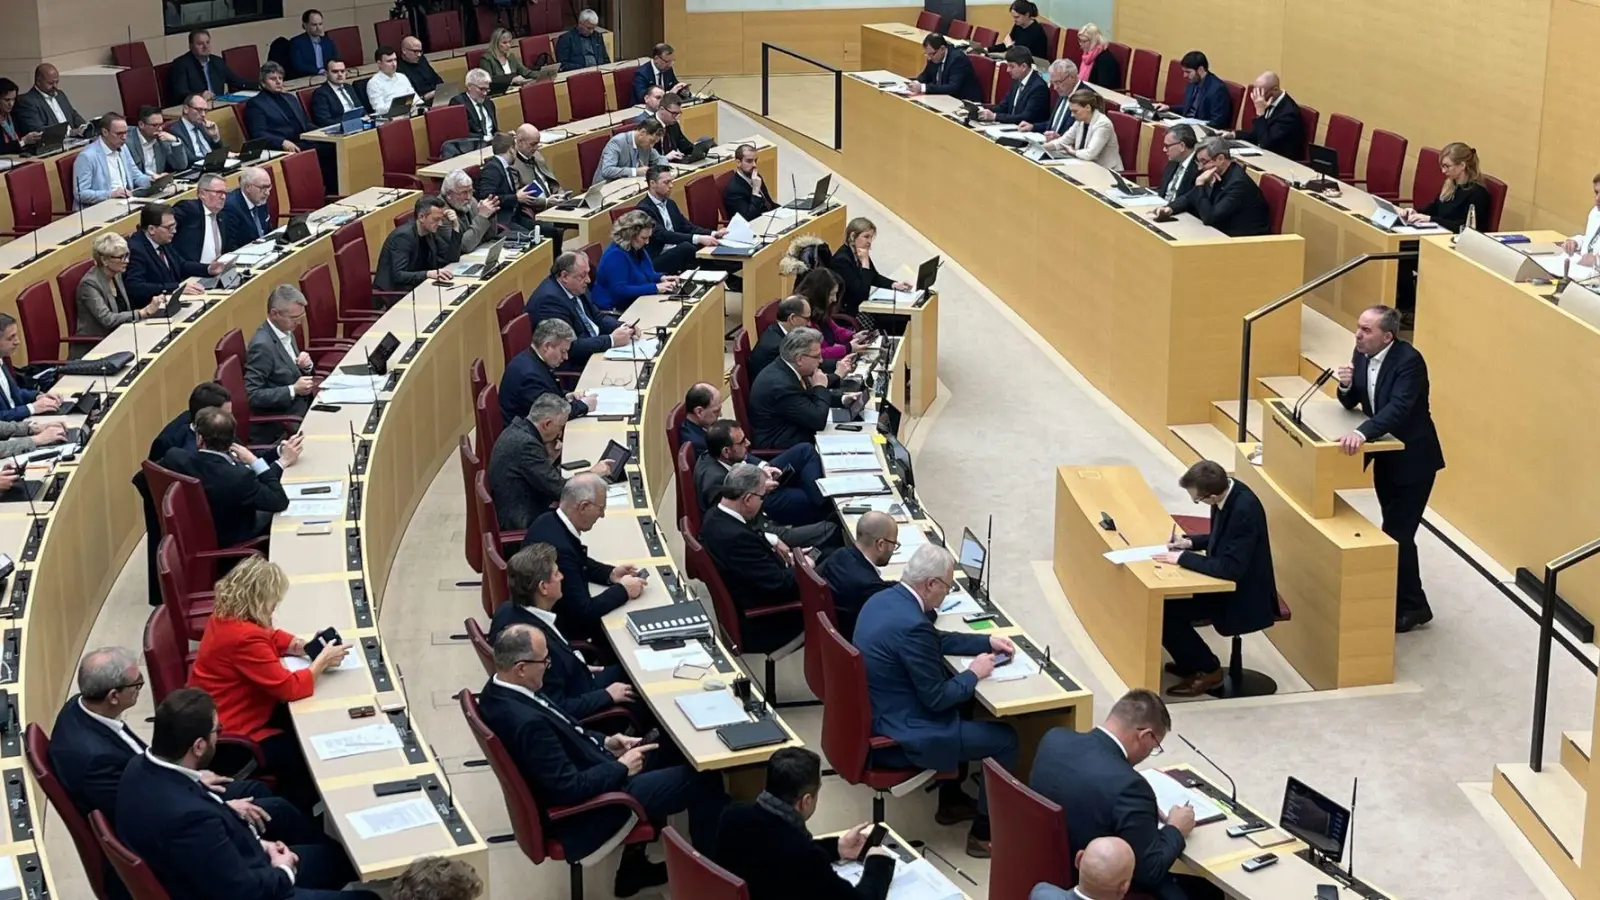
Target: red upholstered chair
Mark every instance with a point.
(509, 307)
(688, 501)
(186, 611)
(985, 37)
(983, 68)
(1386, 158)
(586, 95)
(928, 20)
(477, 377)
(444, 123)
(1123, 54)
(516, 336)
(593, 249)
(625, 126)
(243, 60)
(1246, 115)
(1155, 163)
(67, 290)
(322, 307)
(705, 202)
(1069, 47)
(443, 30)
(357, 298)
(471, 465)
(28, 186)
(488, 422)
(1127, 131)
(960, 30)
(765, 316)
(699, 565)
(36, 748)
(131, 870)
(618, 212)
(535, 46)
(166, 656)
(399, 154)
(1143, 72)
(816, 605)
(302, 176)
(137, 87)
(163, 85)
(1497, 202)
(1052, 38)
(1309, 117)
(539, 104)
(741, 347)
(622, 83)
(527, 820)
(231, 373)
(131, 56)
(238, 116)
(1002, 85)
(480, 644)
(739, 392)
(496, 575)
(1427, 179)
(186, 515)
(304, 96)
(722, 191)
(390, 32)
(69, 187)
(474, 57)
(1035, 847)
(41, 331)
(1276, 192)
(230, 344)
(691, 875)
(1344, 138)
(589, 150)
(1172, 92)
(1236, 98)
(347, 40)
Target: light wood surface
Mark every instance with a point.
(1304, 458)
(916, 384)
(762, 283)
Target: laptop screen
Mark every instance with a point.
(971, 556)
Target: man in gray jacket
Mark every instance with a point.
(277, 374)
(632, 153)
(524, 478)
(467, 221)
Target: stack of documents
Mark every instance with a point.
(1019, 668)
(712, 709)
(914, 880)
(850, 461)
(641, 349)
(676, 620)
(356, 741)
(551, 135)
(329, 503)
(340, 388)
(845, 485)
(890, 295)
(707, 276)
(1134, 554)
(889, 504)
(1170, 793)
(389, 818)
(615, 401)
(836, 442)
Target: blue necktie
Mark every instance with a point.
(584, 315)
(260, 215)
(205, 69)
(316, 47)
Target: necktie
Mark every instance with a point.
(129, 732)
(195, 139)
(257, 215)
(661, 79)
(205, 69)
(635, 149)
(583, 314)
(316, 48)
(213, 237)
(165, 263)
(1060, 117)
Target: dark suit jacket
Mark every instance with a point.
(642, 80)
(15, 409)
(691, 433)
(240, 224)
(1237, 549)
(186, 134)
(187, 76)
(1026, 101)
(914, 699)
(568, 683)
(408, 256)
(550, 301)
(155, 273)
(192, 229)
(858, 282)
(424, 80)
(475, 125)
(781, 862)
(784, 412)
(1189, 175)
(1401, 409)
(1101, 795)
(196, 846)
(525, 378)
(496, 179)
(1283, 132)
(234, 493)
(276, 118)
(755, 576)
(523, 479)
(739, 199)
(853, 580)
(1208, 101)
(326, 109)
(1105, 71)
(1233, 205)
(562, 766)
(954, 77)
(709, 475)
(677, 229)
(31, 113)
(88, 759)
(303, 56)
(578, 614)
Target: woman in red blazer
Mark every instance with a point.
(241, 665)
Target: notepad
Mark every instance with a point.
(960, 605)
(356, 741)
(890, 295)
(1170, 793)
(642, 349)
(711, 709)
(377, 821)
(849, 462)
(845, 442)
(614, 401)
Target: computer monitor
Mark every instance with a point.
(971, 557)
(1325, 160)
(927, 272)
(1314, 819)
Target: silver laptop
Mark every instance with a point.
(1384, 215)
(473, 270)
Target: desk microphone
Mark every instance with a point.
(1350, 866)
(1233, 790)
(1304, 398)
(32, 215)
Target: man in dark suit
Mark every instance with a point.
(1388, 379)
(273, 115)
(17, 402)
(199, 134)
(1236, 549)
(1091, 776)
(417, 70)
(1178, 178)
(336, 98)
(746, 194)
(482, 123)
(794, 312)
(498, 177)
(414, 252)
(196, 847)
(242, 490)
(534, 578)
(1028, 100)
(566, 764)
(1063, 75)
(657, 72)
(675, 240)
(1278, 126)
(533, 372)
(796, 502)
(914, 700)
(948, 72)
(670, 115)
(246, 215)
(277, 374)
(153, 271)
(756, 567)
(1206, 96)
(201, 72)
(702, 408)
(311, 50)
(790, 401)
(565, 296)
(1224, 195)
(524, 479)
(578, 614)
(46, 105)
(853, 574)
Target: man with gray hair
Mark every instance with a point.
(245, 215)
(482, 124)
(790, 401)
(756, 567)
(533, 372)
(466, 220)
(578, 613)
(1178, 178)
(523, 476)
(202, 232)
(277, 374)
(565, 296)
(1224, 195)
(1064, 82)
(583, 47)
(917, 702)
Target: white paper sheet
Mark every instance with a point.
(885, 504)
(1555, 264)
(356, 741)
(706, 276)
(331, 509)
(666, 660)
(1170, 793)
(994, 131)
(1019, 668)
(740, 234)
(890, 295)
(910, 540)
(619, 494)
(615, 401)
(642, 349)
(849, 462)
(352, 396)
(711, 709)
(845, 442)
(1134, 554)
(551, 135)
(843, 485)
(9, 879)
(377, 821)
(961, 604)
(352, 660)
(916, 880)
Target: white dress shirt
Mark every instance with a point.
(347, 100)
(199, 141)
(1114, 740)
(116, 726)
(1177, 176)
(1587, 243)
(54, 104)
(383, 89)
(549, 619)
(1374, 364)
(148, 149)
(211, 242)
(562, 515)
(538, 698)
(119, 177)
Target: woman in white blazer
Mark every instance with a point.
(1091, 135)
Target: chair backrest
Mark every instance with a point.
(1172, 93)
(722, 191)
(347, 40)
(1309, 117)
(846, 708)
(509, 307)
(928, 20)
(67, 289)
(238, 116)
(1035, 830)
(1143, 73)
(1237, 104)
(1344, 137)
(348, 232)
(675, 420)
(29, 188)
(539, 104)
(243, 60)
(688, 497)
(526, 823)
(960, 29)
(302, 176)
(322, 306)
(231, 373)
(533, 47)
(355, 279)
(390, 32)
(983, 69)
(741, 347)
(593, 249)
(704, 200)
(496, 576)
(1427, 179)
(691, 875)
(471, 465)
(1386, 158)
(443, 30)
(136, 876)
(1001, 86)
(766, 315)
(304, 96)
(516, 336)
(618, 212)
(444, 123)
(1070, 49)
(166, 655)
(168, 675)
(586, 95)
(622, 83)
(1052, 38)
(396, 148)
(1126, 128)
(160, 479)
(69, 187)
(477, 377)
(589, 150)
(475, 57)
(230, 344)
(489, 424)
(36, 748)
(131, 55)
(816, 607)
(698, 564)
(739, 391)
(985, 37)
(1497, 202)
(1276, 192)
(1122, 53)
(137, 87)
(1155, 164)
(480, 644)
(36, 312)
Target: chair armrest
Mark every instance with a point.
(327, 345)
(878, 742)
(224, 554)
(360, 315)
(609, 798)
(238, 745)
(511, 537)
(281, 418)
(82, 339)
(401, 180)
(760, 611)
(258, 543)
(613, 712)
(392, 297)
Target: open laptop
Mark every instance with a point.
(818, 196)
(226, 280)
(1384, 214)
(447, 92)
(400, 107)
(297, 230)
(699, 150)
(591, 200)
(215, 163)
(1128, 188)
(252, 150)
(156, 187)
(52, 139)
(499, 84)
(473, 269)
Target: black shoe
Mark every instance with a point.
(1410, 619)
(637, 873)
(956, 811)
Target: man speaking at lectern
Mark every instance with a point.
(1388, 379)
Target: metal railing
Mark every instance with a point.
(1547, 632)
(838, 87)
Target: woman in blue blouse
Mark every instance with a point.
(625, 273)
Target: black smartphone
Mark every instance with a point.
(1239, 831)
(319, 489)
(1256, 863)
(874, 838)
(1002, 659)
(652, 736)
(324, 637)
(576, 464)
(324, 407)
(390, 788)
(1327, 892)
(848, 426)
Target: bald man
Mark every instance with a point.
(417, 70)
(1278, 126)
(45, 105)
(852, 573)
(1105, 872)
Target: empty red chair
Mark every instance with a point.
(1127, 131)
(69, 187)
(622, 83)
(509, 307)
(471, 465)
(516, 336)
(1386, 158)
(245, 62)
(985, 37)
(347, 40)
(357, 298)
(1309, 118)
(1276, 192)
(1172, 93)
(691, 875)
(399, 154)
(1497, 202)
(389, 33)
(131, 870)
(1156, 158)
(41, 330)
(704, 201)
(444, 30)
(539, 104)
(28, 186)
(1123, 54)
(36, 748)
(1070, 49)
(960, 30)
(348, 232)
(163, 85)
(1052, 38)
(1427, 179)
(1344, 138)
(983, 68)
(1029, 837)
(589, 150)
(1143, 72)
(444, 123)
(1236, 97)
(302, 176)
(536, 51)
(137, 87)
(928, 20)
(132, 56)
(586, 95)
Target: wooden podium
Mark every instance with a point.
(1303, 456)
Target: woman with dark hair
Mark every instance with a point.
(12, 141)
(821, 288)
(1026, 32)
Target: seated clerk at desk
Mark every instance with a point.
(524, 479)
(277, 373)
(1104, 869)
(195, 846)
(275, 115)
(102, 298)
(414, 67)
(1091, 136)
(1025, 31)
(387, 84)
(755, 565)
(631, 154)
(246, 216)
(1224, 195)
(799, 505)
(1091, 776)
(853, 573)
(656, 73)
(580, 690)
(578, 613)
(565, 296)
(336, 98)
(1462, 197)
(198, 133)
(153, 270)
(746, 194)
(533, 372)
(915, 700)
(626, 273)
(948, 72)
(566, 764)
(1028, 100)
(853, 263)
(675, 240)
(1278, 126)
(790, 400)
(1063, 75)
(240, 664)
(767, 843)
(1580, 245)
(582, 46)
(1178, 178)
(105, 170)
(242, 490)
(416, 252)
(1237, 550)
(467, 220)
(1206, 97)
(200, 71)
(17, 402)
(311, 51)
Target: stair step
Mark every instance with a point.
(1226, 416)
(1207, 442)
(1289, 387)
(1575, 754)
(1548, 808)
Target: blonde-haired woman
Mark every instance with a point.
(1096, 62)
(502, 58)
(1091, 135)
(241, 664)
(1462, 190)
(103, 300)
(853, 264)
(625, 272)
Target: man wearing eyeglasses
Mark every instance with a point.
(105, 169)
(198, 133)
(202, 232)
(793, 500)
(790, 400)
(853, 574)
(579, 612)
(756, 567)
(1178, 178)
(1091, 776)
(152, 270)
(277, 374)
